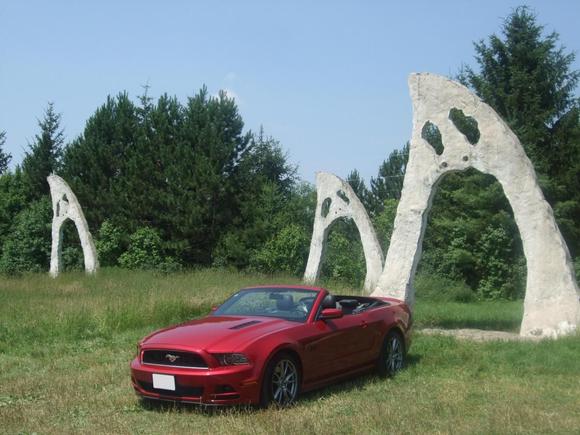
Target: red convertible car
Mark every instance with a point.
(268, 344)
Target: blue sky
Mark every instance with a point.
(325, 78)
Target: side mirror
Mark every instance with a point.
(330, 313)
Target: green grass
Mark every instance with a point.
(65, 346)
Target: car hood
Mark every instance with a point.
(216, 333)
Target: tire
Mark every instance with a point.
(392, 356)
(281, 383)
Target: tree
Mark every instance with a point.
(528, 79)
(360, 189)
(27, 247)
(389, 181)
(4, 157)
(187, 171)
(44, 154)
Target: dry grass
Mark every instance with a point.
(65, 346)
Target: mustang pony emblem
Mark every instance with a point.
(172, 358)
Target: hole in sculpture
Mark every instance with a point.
(72, 251)
(467, 125)
(343, 196)
(432, 135)
(463, 261)
(343, 260)
(325, 207)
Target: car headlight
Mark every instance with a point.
(231, 359)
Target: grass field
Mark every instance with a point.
(65, 347)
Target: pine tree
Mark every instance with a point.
(4, 157)
(389, 182)
(528, 79)
(44, 154)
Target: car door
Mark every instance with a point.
(332, 347)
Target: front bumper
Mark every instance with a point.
(231, 385)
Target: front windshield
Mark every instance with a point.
(284, 303)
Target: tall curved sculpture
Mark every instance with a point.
(66, 206)
(551, 305)
(335, 200)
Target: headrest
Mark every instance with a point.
(329, 301)
(285, 303)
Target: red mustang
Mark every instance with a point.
(267, 344)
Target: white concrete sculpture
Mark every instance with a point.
(551, 305)
(66, 206)
(335, 200)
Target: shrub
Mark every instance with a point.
(344, 258)
(285, 252)
(145, 252)
(27, 247)
(109, 244)
(438, 288)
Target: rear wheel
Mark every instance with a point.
(281, 381)
(392, 356)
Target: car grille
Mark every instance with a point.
(173, 358)
(180, 390)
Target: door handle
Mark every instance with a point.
(364, 324)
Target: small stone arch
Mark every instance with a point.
(336, 200)
(66, 206)
(551, 304)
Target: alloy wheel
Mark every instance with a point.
(284, 382)
(395, 354)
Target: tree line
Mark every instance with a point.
(167, 185)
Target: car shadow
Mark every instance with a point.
(488, 325)
(358, 382)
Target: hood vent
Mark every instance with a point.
(243, 325)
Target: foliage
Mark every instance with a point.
(438, 288)
(27, 247)
(528, 79)
(286, 252)
(267, 201)
(145, 252)
(389, 182)
(186, 170)
(44, 154)
(344, 256)
(471, 236)
(357, 184)
(109, 244)
(384, 223)
(4, 157)
(13, 198)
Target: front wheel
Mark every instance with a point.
(281, 381)
(392, 356)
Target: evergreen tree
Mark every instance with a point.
(389, 181)
(4, 157)
(360, 189)
(44, 154)
(528, 79)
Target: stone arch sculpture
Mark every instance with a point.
(335, 200)
(551, 305)
(66, 206)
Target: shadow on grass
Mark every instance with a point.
(508, 325)
(345, 386)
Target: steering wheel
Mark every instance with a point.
(305, 304)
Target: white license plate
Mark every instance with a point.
(163, 382)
